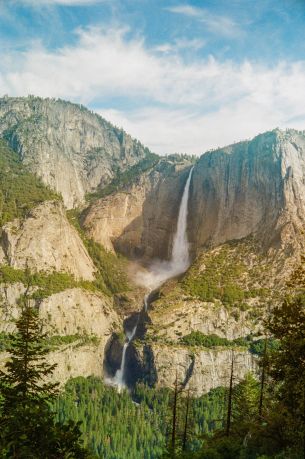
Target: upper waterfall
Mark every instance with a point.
(180, 253)
(161, 270)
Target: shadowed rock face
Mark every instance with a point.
(140, 220)
(72, 149)
(45, 241)
(251, 188)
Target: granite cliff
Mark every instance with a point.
(246, 212)
(70, 148)
(251, 188)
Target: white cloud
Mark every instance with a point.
(180, 44)
(186, 107)
(219, 24)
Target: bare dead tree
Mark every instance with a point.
(186, 421)
(174, 423)
(263, 378)
(229, 410)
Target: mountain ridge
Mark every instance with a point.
(246, 208)
(72, 149)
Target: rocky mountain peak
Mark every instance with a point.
(72, 149)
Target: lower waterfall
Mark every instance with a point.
(119, 376)
(160, 271)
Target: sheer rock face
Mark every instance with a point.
(140, 220)
(209, 318)
(251, 188)
(255, 187)
(77, 360)
(199, 370)
(72, 149)
(45, 241)
(202, 370)
(70, 312)
(79, 312)
(9, 309)
(71, 361)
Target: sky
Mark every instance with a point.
(180, 76)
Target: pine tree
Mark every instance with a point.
(27, 425)
(288, 367)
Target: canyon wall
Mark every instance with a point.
(249, 188)
(254, 187)
(140, 220)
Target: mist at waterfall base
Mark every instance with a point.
(159, 271)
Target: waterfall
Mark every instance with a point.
(180, 254)
(146, 302)
(160, 271)
(119, 376)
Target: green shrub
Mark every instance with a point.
(20, 190)
(196, 338)
(111, 276)
(223, 275)
(47, 283)
(125, 178)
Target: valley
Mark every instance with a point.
(144, 270)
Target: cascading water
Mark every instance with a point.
(160, 271)
(180, 254)
(119, 376)
(146, 302)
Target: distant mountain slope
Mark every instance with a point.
(70, 148)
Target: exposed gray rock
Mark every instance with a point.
(250, 188)
(9, 309)
(254, 187)
(199, 370)
(72, 149)
(140, 220)
(45, 241)
(71, 312)
(77, 311)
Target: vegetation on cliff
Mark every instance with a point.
(265, 418)
(28, 425)
(111, 269)
(121, 179)
(223, 274)
(256, 418)
(255, 346)
(46, 284)
(20, 190)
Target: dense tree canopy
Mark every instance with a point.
(27, 424)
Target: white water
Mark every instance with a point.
(180, 254)
(119, 376)
(146, 302)
(160, 271)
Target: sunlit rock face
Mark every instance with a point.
(140, 220)
(250, 188)
(72, 149)
(254, 187)
(45, 241)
